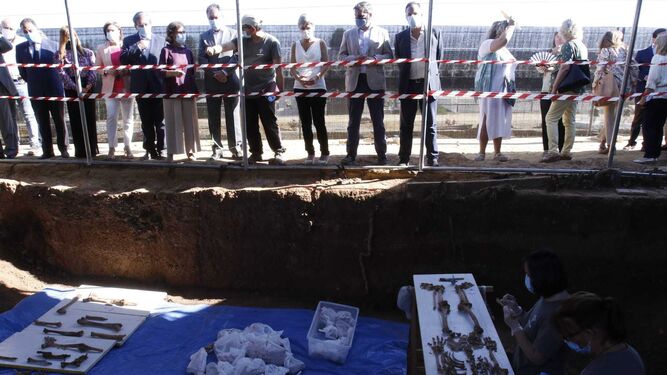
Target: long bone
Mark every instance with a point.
(47, 324)
(63, 333)
(63, 309)
(50, 342)
(444, 309)
(40, 362)
(105, 336)
(50, 355)
(116, 327)
(437, 290)
(466, 306)
(74, 363)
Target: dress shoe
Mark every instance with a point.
(432, 163)
(348, 160)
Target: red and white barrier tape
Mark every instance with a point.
(322, 64)
(526, 96)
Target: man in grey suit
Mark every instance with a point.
(8, 128)
(362, 42)
(220, 81)
(410, 43)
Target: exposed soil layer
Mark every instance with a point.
(354, 237)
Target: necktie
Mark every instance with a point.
(35, 53)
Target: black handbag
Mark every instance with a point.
(510, 87)
(577, 77)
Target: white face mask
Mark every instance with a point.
(113, 36)
(415, 20)
(216, 24)
(8, 34)
(307, 34)
(246, 34)
(180, 39)
(144, 32)
(34, 37)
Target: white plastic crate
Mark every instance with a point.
(321, 347)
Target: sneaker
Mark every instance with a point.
(566, 157)
(432, 163)
(112, 153)
(254, 158)
(550, 157)
(645, 160)
(500, 157)
(236, 155)
(216, 155)
(382, 160)
(630, 146)
(324, 160)
(279, 158)
(310, 159)
(603, 150)
(146, 156)
(348, 160)
(480, 157)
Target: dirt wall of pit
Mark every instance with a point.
(343, 237)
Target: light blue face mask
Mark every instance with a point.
(578, 349)
(529, 284)
(180, 39)
(361, 22)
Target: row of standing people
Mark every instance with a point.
(558, 118)
(218, 45)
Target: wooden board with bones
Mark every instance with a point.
(457, 333)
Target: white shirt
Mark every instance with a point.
(313, 54)
(364, 45)
(417, 51)
(657, 75)
(10, 57)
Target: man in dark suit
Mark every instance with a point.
(220, 81)
(410, 43)
(43, 82)
(642, 57)
(143, 48)
(8, 126)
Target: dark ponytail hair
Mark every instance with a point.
(590, 311)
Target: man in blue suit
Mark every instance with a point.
(643, 57)
(410, 43)
(43, 82)
(143, 48)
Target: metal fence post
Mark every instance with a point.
(239, 44)
(624, 85)
(77, 73)
(427, 36)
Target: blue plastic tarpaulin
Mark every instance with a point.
(164, 343)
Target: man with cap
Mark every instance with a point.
(260, 47)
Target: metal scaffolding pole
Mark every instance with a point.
(239, 43)
(624, 85)
(77, 73)
(427, 36)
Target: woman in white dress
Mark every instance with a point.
(495, 115)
